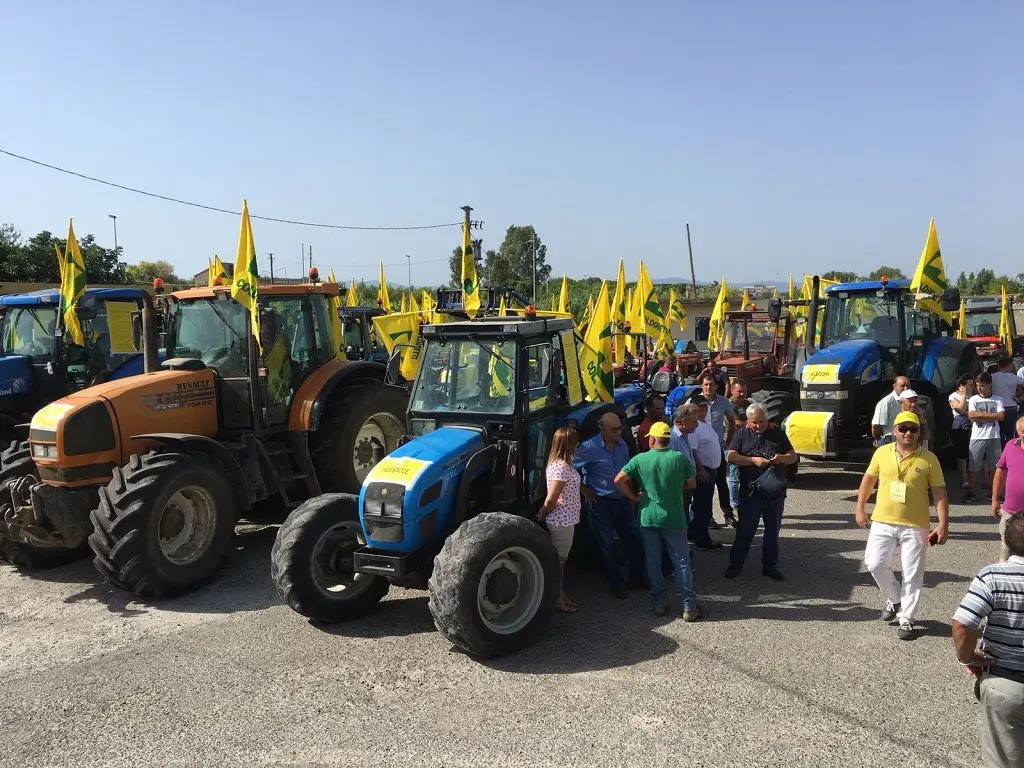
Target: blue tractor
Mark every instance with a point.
(872, 332)
(38, 365)
(452, 508)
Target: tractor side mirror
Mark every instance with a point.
(137, 331)
(393, 374)
(801, 320)
(774, 309)
(87, 308)
(949, 299)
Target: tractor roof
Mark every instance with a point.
(983, 304)
(49, 296)
(362, 311)
(287, 289)
(901, 284)
(509, 325)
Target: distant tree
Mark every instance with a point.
(893, 273)
(455, 267)
(145, 271)
(35, 260)
(512, 265)
(841, 276)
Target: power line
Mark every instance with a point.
(220, 210)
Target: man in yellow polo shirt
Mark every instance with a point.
(904, 472)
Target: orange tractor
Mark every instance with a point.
(152, 472)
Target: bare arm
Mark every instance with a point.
(625, 486)
(876, 431)
(867, 485)
(551, 500)
(690, 484)
(986, 416)
(965, 640)
(998, 481)
(942, 508)
(789, 457)
(737, 458)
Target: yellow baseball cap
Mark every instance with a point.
(660, 429)
(906, 417)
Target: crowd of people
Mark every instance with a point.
(661, 501)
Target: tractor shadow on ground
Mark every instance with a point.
(400, 614)
(243, 583)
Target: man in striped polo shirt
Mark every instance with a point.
(997, 594)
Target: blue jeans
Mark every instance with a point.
(700, 508)
(679, 552)
(753, 509)
(609, 516)
(733, 478)
(1008, 426)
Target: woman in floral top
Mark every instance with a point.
(561, 508)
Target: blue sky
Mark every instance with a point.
(792, 136)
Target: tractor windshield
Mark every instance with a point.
(759, 334)
(862, 316)
(29, 331)
(982, 323)
(214, 331)
(466, 376)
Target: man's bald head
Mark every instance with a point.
(901, 383)
(608, 421)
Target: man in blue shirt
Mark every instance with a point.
(719, 414)
(599, 460)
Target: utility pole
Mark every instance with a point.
(693, 275)
(271, 257)
(310, 259)
(112, 216)
(302, 260)
(533, 242)
(408, 260)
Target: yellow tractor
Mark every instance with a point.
(152, 472)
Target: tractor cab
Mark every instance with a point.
(360, 334)
(982, 315)
(755, 344)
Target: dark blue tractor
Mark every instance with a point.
(38, 364)
(452, 508)
(872, 332)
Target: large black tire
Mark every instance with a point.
(778, 404)
(341, 457)
(469, 557)
(16, 463)
(126, 539)
(311, 562)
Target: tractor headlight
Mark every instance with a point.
(374, 507)
(392, 509)
(384, 500)
(44, 451)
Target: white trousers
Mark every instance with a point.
(883, 539)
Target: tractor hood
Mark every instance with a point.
(845, 358)
(14, 375)
(414, 488)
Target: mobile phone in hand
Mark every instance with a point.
(933, 539)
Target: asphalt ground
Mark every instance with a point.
(799, 673)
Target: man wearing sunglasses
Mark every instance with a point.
(904, 472)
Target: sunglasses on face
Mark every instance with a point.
(905, 428)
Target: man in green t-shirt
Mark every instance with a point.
(661, 475)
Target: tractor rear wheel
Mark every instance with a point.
(16, 463)
(164, 524)
(494, 584)
(778, 404)
(363, 424)
(311, 562)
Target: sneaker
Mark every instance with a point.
(620, 592)
(969, 498)
(964, 485)
(714, 525)
(660, 609)
(890, 610)
(731, 573)
(692, 614)
(905, 631)
(773, 573)
(730, 520)
(708, 546)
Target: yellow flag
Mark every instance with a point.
(72, 286)
(427, 307)
(245, 284)
(413, 306)
(792, 293)
(716, 326)
(331, 278)
(1005, 334)
(402, 330)
(563, 296)
(775, 292)
(745, 300)
(209, 272)
(352, 299)
(333, 304)
(502, 309)
(961, 331)
(930, 278)
(618, 314)
(588, 313)
(60, 264)
(596, 352)
(676, 310)
(470, 284)
(554, 305)
(633, 321)
(404, 305)
(383, 298)
(654, 321)
(219, 270)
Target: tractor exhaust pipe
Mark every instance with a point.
(150, 360)
(812, 317)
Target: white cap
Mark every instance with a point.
(908, 394)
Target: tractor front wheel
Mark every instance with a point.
(164, 524)
(494, 584)
(311, 562)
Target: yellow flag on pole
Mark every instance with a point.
(596, 352)
(676, 311)
(331, 278)
(563, 296)
(383, 298)
(245, 284)
(716, 326)
(470, 283)
(413, 306)
(654, 322)
(929, 279)
(352, 297)
(618, 314)
(72, 286)
(402, 330)
(60, 262)
(745, 300)
(219, 270)
(404, 307)
(502, 309)
(209, 272)
(961, 330)
(1005, 332)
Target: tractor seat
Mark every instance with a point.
(662, 382)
